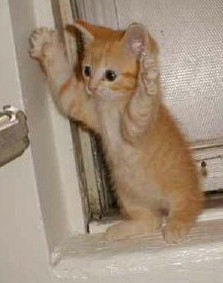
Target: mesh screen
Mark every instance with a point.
(190, 36)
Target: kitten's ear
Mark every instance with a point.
(136, 39)
(86, 30)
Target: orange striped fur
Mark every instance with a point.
(154, 175)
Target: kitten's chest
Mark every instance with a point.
(118, 152)
(111, 135)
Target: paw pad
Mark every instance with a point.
(42, 40)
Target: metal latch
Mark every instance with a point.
(13, 134)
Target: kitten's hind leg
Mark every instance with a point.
(181, 218)
(143, 222)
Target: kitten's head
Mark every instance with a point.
(111, 58)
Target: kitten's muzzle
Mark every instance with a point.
(92, 88)
(91, 91)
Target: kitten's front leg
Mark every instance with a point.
(144, 105)
(67, 92)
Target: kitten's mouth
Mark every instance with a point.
(102, 94)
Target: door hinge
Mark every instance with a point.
(13, 134)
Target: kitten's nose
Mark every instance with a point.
(93, 86)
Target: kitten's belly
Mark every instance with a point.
(130, 176)
(125, 162)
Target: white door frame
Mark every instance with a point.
(30, 228)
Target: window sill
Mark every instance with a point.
(215, 213)
(84, 256)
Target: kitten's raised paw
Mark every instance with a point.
(175, 232)
(149, 74)
(149, 66)
(44, 42)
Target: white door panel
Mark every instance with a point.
(9, 83)
(24, 255)
(21, 233)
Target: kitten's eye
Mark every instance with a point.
(87, 71)
(110, 75)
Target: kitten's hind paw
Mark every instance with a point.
(115, 233)
(175, 232)
(131, 229)
(44, 42)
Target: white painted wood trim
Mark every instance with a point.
(84, 137)
(99, 12)
(56, 170)
(146, 259)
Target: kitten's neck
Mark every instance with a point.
(116, 103)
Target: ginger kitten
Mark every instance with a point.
(118, 96)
